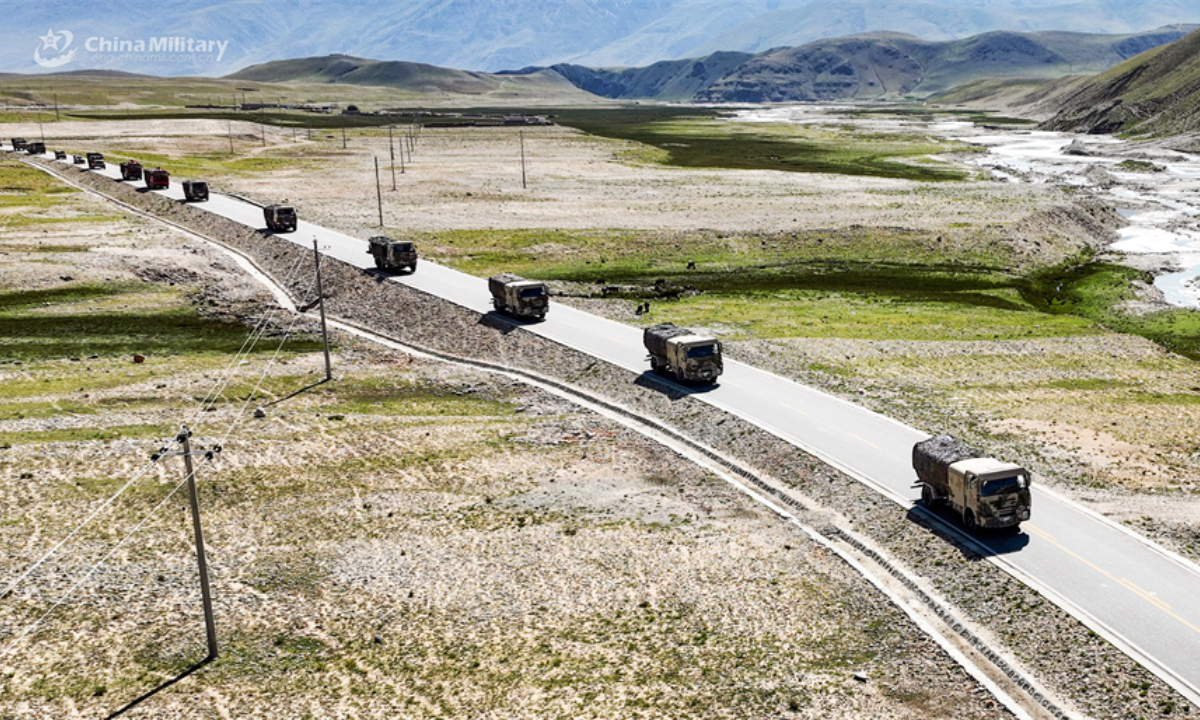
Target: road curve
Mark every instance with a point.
(1139, 596)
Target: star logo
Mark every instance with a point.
(51, 40)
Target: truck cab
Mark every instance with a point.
(695, 357)
(989, 493)
(95, 161)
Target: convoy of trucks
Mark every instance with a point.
(985, 492)
(682, 353)
(514, 295)
(392, 255)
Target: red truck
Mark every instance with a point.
(158, 179)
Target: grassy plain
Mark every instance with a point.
(410, 540)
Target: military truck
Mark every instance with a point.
(392, 255)
(36, 147)
(514, 295)
(280, 218)
(19, 144)
(60, 154)
(987, 493)
(77, 159)
(131, 170)
(158, 179)
(195, 190)
(682, 353)
(95, 161)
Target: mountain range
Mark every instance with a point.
(870, 66)
(493, 35)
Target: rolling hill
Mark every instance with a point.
(415, 77)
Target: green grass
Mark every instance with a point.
(206, 164)
(64, 323)
(1094, 290)
(112, 432)
(698, 139)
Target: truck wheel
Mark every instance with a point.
(970, 521)
(413, 266)
(927, 498)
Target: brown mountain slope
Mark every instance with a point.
(1156, 93)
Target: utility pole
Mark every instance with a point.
(56, 118)
(321, 304)
(378, 192)
(210, 625)
(521, 135)
(392, 151)
(343, 138)
(230, 137)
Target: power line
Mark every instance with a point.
(231, 371)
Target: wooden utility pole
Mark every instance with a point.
(521, 135)
(321, 304)
(56, 118)
(210, 625)
(343, 138)
(378, 192)
(392, 151)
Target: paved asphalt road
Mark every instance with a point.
(1143, 599)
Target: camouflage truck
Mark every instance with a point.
(19, 144)
(60, 154)
(280, 218)
(195, 190)
(95, 161)
(682, 353)
(131, 170)
(514, 295)
(985, 492)
(158, 179)
(392, 255)
(36, 147)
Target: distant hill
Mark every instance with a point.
(881, 65)
(1155, 93)
(491, 36)
(679, 80)
(415, 77)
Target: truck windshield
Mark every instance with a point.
(702, 351)
(533, 292)
(1003, 486)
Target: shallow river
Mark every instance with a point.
(1162, 208)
